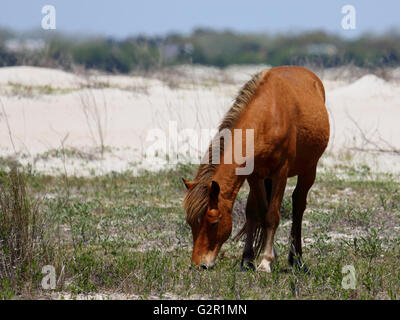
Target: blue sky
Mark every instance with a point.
(120, 18)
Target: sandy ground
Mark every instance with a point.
(45, 110)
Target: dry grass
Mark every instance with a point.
(127, 235)
(23, 241)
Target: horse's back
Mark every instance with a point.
(302, 81)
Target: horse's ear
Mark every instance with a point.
(188, 184)
(213, 192)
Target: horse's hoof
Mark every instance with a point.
(247, 266)
(265, 266)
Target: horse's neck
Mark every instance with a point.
(229, 182)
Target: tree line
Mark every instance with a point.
(202, 46)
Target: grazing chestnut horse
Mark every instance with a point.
(286, 108)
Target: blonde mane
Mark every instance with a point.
(196, 199)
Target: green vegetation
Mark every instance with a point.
(208, 47)
(24, 244)
(19, 90)
(127, 234)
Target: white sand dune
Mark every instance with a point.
(33, 76)
(126, 108)
(369, 106)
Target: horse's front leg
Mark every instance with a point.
(256, 204)
(272, 218)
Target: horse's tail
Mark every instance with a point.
(259, 238)
(241, 232)
(320, 89)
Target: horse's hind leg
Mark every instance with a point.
(255, 208)
(299, 198)
(268, 188)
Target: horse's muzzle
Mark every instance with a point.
(207, 267)
(202, 266)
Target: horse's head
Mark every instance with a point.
(211, 229)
